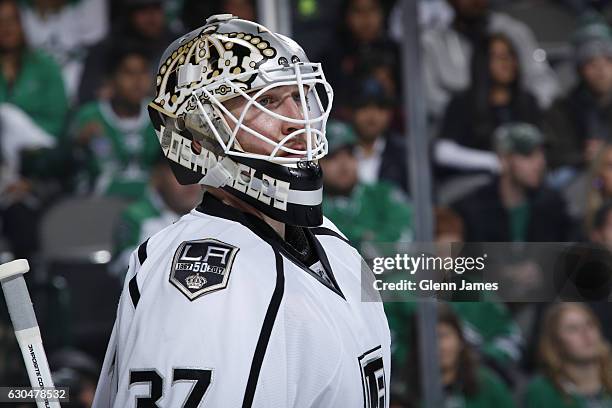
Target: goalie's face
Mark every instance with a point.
(286, 103)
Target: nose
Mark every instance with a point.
(293, 110)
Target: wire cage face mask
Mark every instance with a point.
(299, 81)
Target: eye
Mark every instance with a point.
(298, 100)
(265, 100)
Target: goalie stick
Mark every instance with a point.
(26, 327)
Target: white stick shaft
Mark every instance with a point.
(25, 325)
(30, 343)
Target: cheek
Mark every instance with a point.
(352, 22)
(607, 233)
(265, 126)
(351, 168)
(590, 73)
(144, 80)
(448, 351)
(572, 342)
(124, 85)
(328, 168)
(526, 169)
(373, 20)
(606, 177)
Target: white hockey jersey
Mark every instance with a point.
(215, 312)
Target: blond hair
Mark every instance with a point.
(595, 196)
(550, 352)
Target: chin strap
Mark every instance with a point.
(221, 173)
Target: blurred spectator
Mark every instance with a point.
(195, 12)
(361, 35)
(164, 201)
(64, 29)
(142, 25)
(315, 24)
(432, 14)
(380, 152)
(601, 234)
(29, 79)
(598, 189)
(495, 96)
(580, 122)
(32, 110)
(448, 226)
(587, 188)
(576, 361)
(375, 66)
(448, 51)
(375, 213)
(77, 371)
(487, 325)
(516, 206)
(117, 141)
(601, 229)
(585, 6)
(466, 383)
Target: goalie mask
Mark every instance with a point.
(238, 60)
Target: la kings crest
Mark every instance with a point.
(202, 266)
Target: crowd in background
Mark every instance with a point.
(520, 142)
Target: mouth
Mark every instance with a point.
(298, 146)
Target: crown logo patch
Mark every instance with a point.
(195, 282)
(202, 266)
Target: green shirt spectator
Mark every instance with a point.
(575, 359)
(492, 392)
(120, 151)
(488, 326)
(164, 201)
(38, 90)
(142, 219)
(373, 212)
(116, 135)
(466, 383)
(376, 212)
(542, 393)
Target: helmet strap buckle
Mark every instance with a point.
(220, 174)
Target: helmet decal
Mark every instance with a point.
(211, 56)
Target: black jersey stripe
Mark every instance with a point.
(134, 292)
(266, 332)
(142, 256)
(369, 351)
(142, 252)
(328, 231)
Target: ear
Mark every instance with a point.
(504, 162)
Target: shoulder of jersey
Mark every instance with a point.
(199, 252)
(331, 226)
(197, 225)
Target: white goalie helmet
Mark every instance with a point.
(233, 58)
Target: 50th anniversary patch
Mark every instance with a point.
(202, 266)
